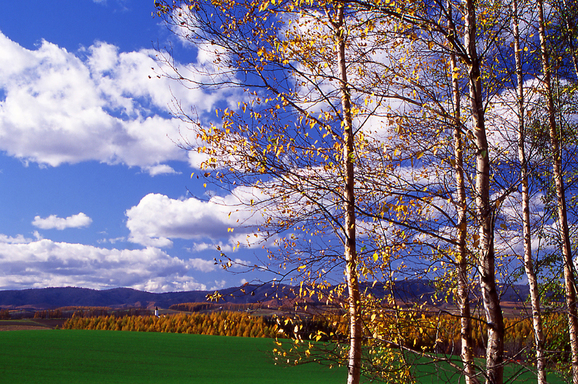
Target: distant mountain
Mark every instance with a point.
(50, 298)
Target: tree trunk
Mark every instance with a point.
(560, 196)
(467, 353)
(484, 210)
(354, 362)
(528, 263)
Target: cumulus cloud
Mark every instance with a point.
(13, 240)
(161, 169)
(97, 104)
(42, 263)
(157, 219)
(54, 222)
(202, 265)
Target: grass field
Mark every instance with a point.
(71, 356)
(58, 356)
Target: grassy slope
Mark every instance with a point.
(133, 357)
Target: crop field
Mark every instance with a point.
(74, 356)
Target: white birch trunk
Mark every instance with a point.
(484, 210)
(570, 285)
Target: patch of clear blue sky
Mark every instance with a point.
(127, 24)
(103, 192)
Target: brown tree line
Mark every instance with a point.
(4, 314)
(196, 307)
(425, 332)
(87, 311)
(216, 323)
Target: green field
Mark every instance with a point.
(59, 356)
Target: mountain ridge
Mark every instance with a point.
(55, 297)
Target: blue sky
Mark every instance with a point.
(94, 191)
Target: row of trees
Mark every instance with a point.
(216, 323)
(433, 333)
(86, 311)
(198, 307)
(388, 139)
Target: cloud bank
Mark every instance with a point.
(26, 263)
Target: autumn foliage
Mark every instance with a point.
(217, 323)
(198, 307)
(423, 332)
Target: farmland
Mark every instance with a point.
(60, 356)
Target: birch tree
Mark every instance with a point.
(300, 152)
(293, 144)
(526, 220)
(557, 174)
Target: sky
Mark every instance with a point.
(94, 190)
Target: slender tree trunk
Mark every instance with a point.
(570, 286)
(467, 353)
(528, 263)
(354, 362)
(484, 210)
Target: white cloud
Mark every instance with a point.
(157, 219)
(43, 263)
(161, 169)
(54, 222)
(13, 240)
(99, 104)
(112, 241)
(202, 265)
(219, 285)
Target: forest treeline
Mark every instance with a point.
(85, 311)
(223, 323)
(4, 314)
(421, 332)
(197, 307)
